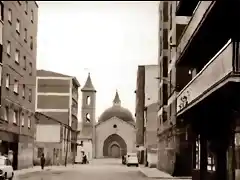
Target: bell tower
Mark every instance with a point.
(87, 134)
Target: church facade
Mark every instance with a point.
(113, 135)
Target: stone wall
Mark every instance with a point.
(25, 155)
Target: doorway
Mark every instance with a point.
(115, 151)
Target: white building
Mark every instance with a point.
(114, 133)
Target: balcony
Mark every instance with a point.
(204, 35)
(185, 8)
(215, 75)
(194, 23)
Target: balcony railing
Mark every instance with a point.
(194, 22)
(214, 71)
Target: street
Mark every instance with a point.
(102, 169)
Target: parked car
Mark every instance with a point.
(6, 169)
(132, 159)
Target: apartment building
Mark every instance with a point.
(57, 97)
(203, 81)
(146, 102)
(171, 134)
(18, 39)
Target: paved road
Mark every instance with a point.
(109, 169)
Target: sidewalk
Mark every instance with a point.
(157, 174)
(38, 169)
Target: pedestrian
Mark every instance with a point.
(42, 161)
(10, 156)
(84, 158)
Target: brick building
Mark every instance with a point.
(18, 39)
(57, 97)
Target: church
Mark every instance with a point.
(113, 135)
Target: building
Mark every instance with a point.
(18, 39)
(114, 133)
(200, 123)
(57, 97)
(146, 111)
(88, 110)
(173, 153)
(50, 145)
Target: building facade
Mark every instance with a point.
(87, 134)
(146, 96)
(171, 136)
(18, 32)
(57, 97)
(202, 69)
(50, 145)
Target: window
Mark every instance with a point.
(40, 152)
(88, 118)
(15, 86)
(30, 65)
(30, 95)
(18, 26)
(8, 48)
(24, 62)
(114, 126)
(6, 115)
(22, 119)
(17, 56)
(31, 42)
(26, 7)
(170, 16)
(7, 81)
(2, 10)
(10, 16)
(15, 117)
(88, 100)
(210, 163)
(197, 163)
(29, 122)
(32, 16)
(25, 35)
(23, 91)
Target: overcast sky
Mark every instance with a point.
(107, 39)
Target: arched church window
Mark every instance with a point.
(88, 118)
(88, 100)
(114, 126)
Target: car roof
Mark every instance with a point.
(3, 157)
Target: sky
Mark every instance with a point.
(108, 39)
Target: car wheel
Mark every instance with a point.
(136, 165)
(11, 177)
(128, 165)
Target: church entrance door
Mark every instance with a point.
(115, 151)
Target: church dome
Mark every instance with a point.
(116, 111)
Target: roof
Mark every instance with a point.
(116, 98)
(88, 85)
(45, 73)
(116, 111)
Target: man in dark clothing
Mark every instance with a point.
(42, 161)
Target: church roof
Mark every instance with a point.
(88, 85)
(116, 111)
(116, 99)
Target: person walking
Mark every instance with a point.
(42, 161)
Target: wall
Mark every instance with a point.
(124, 130)
(48, 133)
(25, 155)
(151, 84)
(49, 153)
(140, 101)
